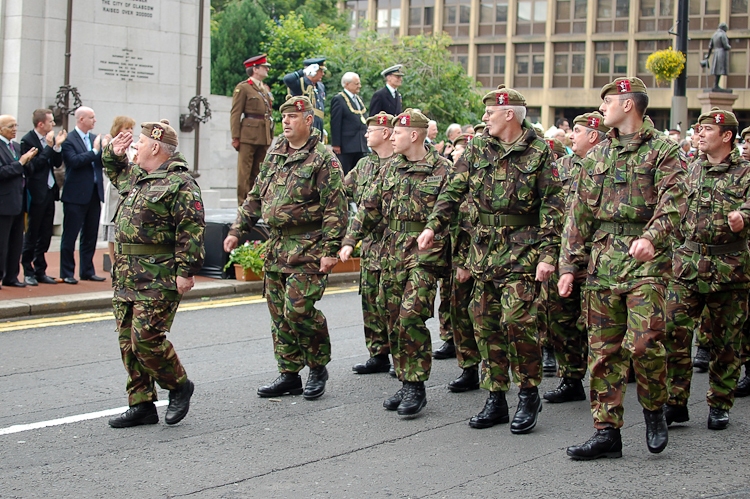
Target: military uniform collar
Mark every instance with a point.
(731, 160)
(424, 164)
(644, 133)
(282, 147)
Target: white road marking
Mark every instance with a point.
(70, 419)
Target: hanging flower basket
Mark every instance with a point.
(665, 65)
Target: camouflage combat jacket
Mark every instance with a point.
(569, 167)
(711, 192)
(624, 192)
(159, 208)
(402, 200)
(357, 182)
(522, 183)
(300, 195)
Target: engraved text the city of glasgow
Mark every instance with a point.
(128, 8)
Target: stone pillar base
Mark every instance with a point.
(722, 100)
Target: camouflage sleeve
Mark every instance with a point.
(249, 213)
(668, 180)
(350, 181)
(368, 215)
(461, 236)
(551, 210)
(579, 222)
(333, 201)
(187, 212)
(116, 168)
(453, 192)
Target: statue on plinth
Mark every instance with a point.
(719, 45)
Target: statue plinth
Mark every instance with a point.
(721, 99)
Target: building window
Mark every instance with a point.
(738, 65)
(696, 75)
(571, 16)
(531, 17)
(457, 17)
(529, 70)
(656, 15)
(612, 16)
(704, 14)
(570, 60)
(460, 55)
(389, 17)
(646, 48)
(491, 65)
(738, 17)
(493, 17)
(421, 15)
(610, 62)
(357, 11)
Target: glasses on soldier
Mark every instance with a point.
(369, 130)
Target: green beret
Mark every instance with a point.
(594, 121)
(160, 130)
(631, 85)
(504, 97)
(296, 105)
(463, 138)
(718, 117)
(479, 128)
(557, 146)
(744, 132)
(382, 119)
(411, 118)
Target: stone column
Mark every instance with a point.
(722, 100)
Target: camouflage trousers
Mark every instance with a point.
(562, 327)
(467, 351)
(147, 354)
(376, 329)
(621, 327)
(506, 333)
(727, 311)
(409, 298)
(444, 309)
(299, 330)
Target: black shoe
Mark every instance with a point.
(136, 415)
(569, 390)
(316, 383)
(392, 371)
(529, 407)
(469, 380)
(495, 412)
(30, 280)
(94, 278)
(285, 384)
(45, 279)
(377, 364)
(743, 385)
(701, 360)
(718, 419)
(657, 434)
(676, 414)
(414, 398)
(549, 365)
(15, 284)
(392, 403)
(179, 402)
(604, 443)
(70, 280)
(446, 351)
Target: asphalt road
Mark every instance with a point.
(344, 445)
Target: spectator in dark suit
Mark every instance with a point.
(348, 124)
(387, 98)
(82, 195)
(41, 194)
(13, 168)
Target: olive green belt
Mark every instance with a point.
(716, 249)
(144, 249)
(406, 226)
(296, 230)
(497, 220)
(318, 113)
(623, 229)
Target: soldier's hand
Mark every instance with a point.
(544, 271)
(50, 138)
(345, 252)
(62, 136)
(327, 263)
(185, 284)
(462, 275)
(425, 239)
(236, 143)
(336, 149)
(736, 222)
(121, 143)
(642, 250)
(565, 285)
(230, 243)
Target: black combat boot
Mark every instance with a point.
(469, 380)
(529, 407)
(495, 412)
(414, 398)
(446, 351)
(569, 390)
(392, 402)
(136, 415)
(701, 360)
(376, 364)
(718, 419)
(657, 433)
(743, 385)
(677, 413)
(549, 365)
(316, 383)
(179, 402)
(604, 443)
(285, 384)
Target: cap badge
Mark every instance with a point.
(551, 143)
(502, 99)
(300, 105)
(382, 120)
(593, 122)
(405, 120)
(156, 133)
(719, 119)
(623, 86)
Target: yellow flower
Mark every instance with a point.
(665, 65)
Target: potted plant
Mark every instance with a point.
(248, 261)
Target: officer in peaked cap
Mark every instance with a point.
(388, 98)
(308, 82)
